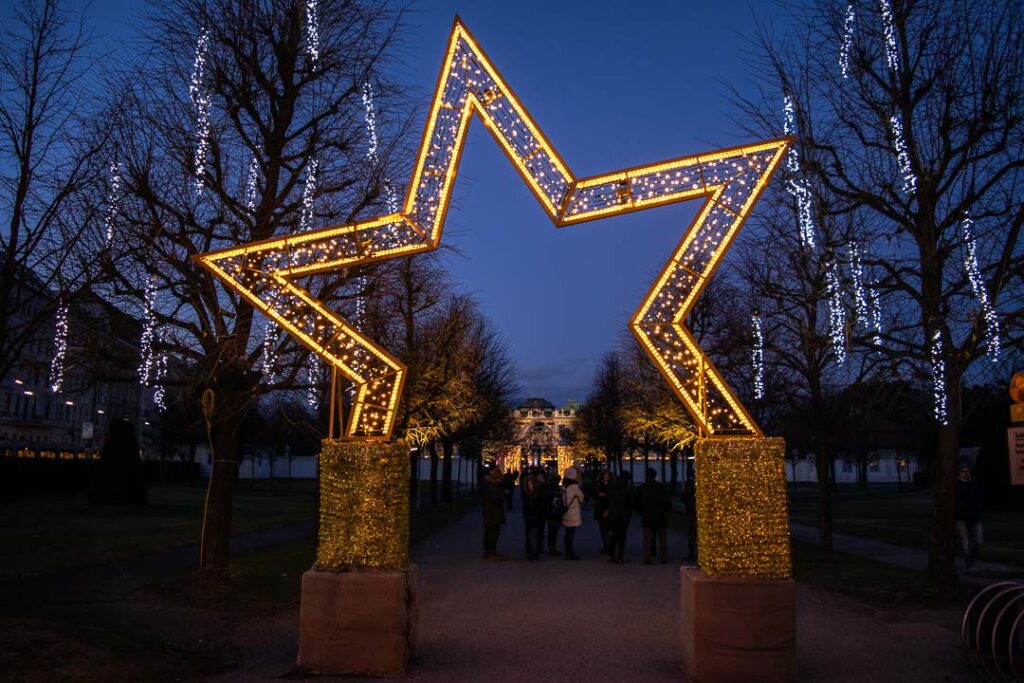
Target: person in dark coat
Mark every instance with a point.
(601, 491)
(554, 522)
(533, 517)
(494, 512)
(967, 514)
(690, 510)
(620, 511)
(654, 506)
(509, 481)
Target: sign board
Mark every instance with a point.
(1015, 436)
(87, 430)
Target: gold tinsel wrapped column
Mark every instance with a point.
(739, 609)
(359, 606)
(364, 505)
(742, 517)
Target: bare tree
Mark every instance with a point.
(281, 110)
(49, 153)
(921, 131)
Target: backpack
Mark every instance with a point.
(556, 505)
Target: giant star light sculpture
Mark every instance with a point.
(730, 180)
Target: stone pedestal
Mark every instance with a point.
(360, 622)
(738, 629)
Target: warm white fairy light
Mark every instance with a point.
(308, 193)
(844, 51)
(902, 154)
(795, 184)
(146, 359)
(757, 355)
(988, 311)
(201, 102)
(938, 378)
(113, 197)
(60, 348)
(251, 180)
(892, 53)
(861, 308)
(468, 87)
(312, 32)
(836, 312)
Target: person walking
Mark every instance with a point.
(690, 510)
(533, 517)
(554, 507)
(494, 512)
(572, 518)
(620, 511)
(654, 506)
(967, 514)
(601, 492)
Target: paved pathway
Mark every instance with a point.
(557, 620)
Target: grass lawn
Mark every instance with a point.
(33, 651)
(877, 583)
(905, 518)
(46, 532)
(269, 581)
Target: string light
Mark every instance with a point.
(757, 356)
(251, 183)
(875, 305)
(902, 155)
(844, 52)
(146, 358)
(861, 307)
(795, 184)
(313, 380)
(201, 103)
(312, 32)
(892, 53)
(113, 199)
(988, 312)
(269, 359)
(160, 374)
(938, 378)
(836, 312)
(264, 272)
(60, 348)
(308, 193)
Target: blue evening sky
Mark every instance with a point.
(612, 84)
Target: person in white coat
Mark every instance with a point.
(572, 518)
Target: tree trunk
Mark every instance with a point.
(675, 472)
(942, 551)
(824, 497)
(661, 455)
(432, 448)
(458, 476)
(446, 472)
(214, 551)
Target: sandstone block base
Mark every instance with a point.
(738, 629)
(360, 622)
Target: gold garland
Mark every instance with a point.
(364, 505)
(742, 518)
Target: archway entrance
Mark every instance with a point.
(364, 518)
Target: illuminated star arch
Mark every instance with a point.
(729, 180)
